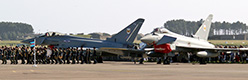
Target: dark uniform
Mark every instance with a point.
(32, 56)
(82, 55)
(60, 55)
(22, 55)
(17, 55)
(64, 55)
(53, 56)
(88, 56)
(12, 55)
(44, 53)
(28, 52)
(77, 56)
(1, 52)
(56, 55)
(39, 53)
(74, 55)
(4, 56)
(68, 54)
(94, 56)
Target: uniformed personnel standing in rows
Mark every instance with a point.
(47, 56)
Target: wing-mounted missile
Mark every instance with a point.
(164, 44)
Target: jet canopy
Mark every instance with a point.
(53, 34)
(160, 30)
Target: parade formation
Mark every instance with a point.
(48, 55)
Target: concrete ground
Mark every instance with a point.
(110, 70)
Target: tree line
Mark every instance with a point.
(217, 28)
(14, 31)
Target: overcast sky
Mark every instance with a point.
(110, 16)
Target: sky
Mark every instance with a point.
(111, 16)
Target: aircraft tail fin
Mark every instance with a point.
(128, 34)
(203, 31)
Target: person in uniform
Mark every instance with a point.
(52, 56)
(17, 55)
(56, 55)
(68, 54)
(4, 55)
(44, 53)
(82, 55)
(32, 55)
(74, 55)
(38, 52)
(94, 56)
(21, 53)
(60, 55)
(27, 55)
(1, 52)
(12, 53)
(88, 56)
(77, 55)
(64, 55)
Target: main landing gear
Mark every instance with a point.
(203, 61)
(141, 60)
(165, 60)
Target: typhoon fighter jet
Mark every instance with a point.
(119, 44)
(166, 43)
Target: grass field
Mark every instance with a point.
(84, 36)
(229, 42)
(9, 43)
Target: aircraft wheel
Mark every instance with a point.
(166, 61)
(134, 60)
(99, 60)
(159, 61)
(203, 61)
(141, 61)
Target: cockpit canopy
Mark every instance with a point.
(54, 34)
(49, 34)
(160, 30)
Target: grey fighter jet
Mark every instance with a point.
(119, 44)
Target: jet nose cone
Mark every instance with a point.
(27, 41)
(148, 39)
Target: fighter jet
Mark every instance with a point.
(166, 43)
(119, 44)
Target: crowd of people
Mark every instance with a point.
(81, 55)
(223, 57)
(230, 56)
(44, 55)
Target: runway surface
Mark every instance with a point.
(110, 70)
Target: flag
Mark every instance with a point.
(32, 44)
